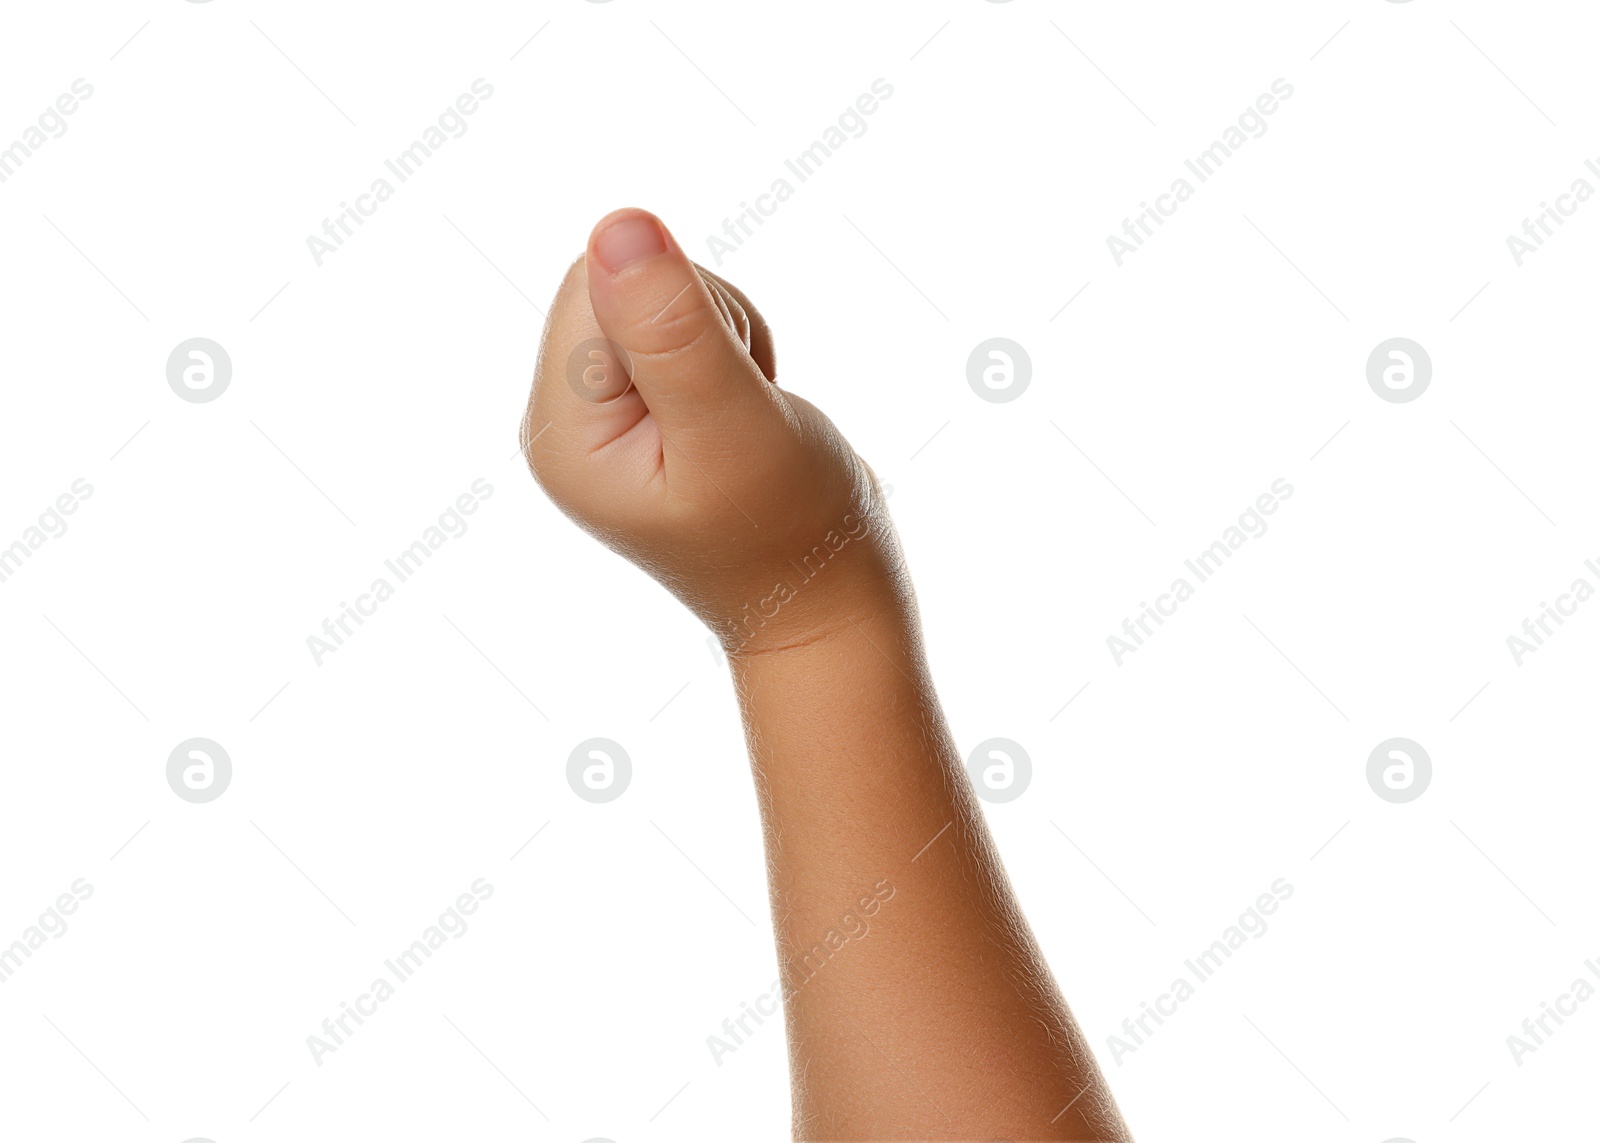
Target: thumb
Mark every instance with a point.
(690, 366)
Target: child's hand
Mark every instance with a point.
(655, 423)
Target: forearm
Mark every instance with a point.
(918, 1004)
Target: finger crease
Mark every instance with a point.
(670, 304)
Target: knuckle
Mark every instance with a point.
(671, 337)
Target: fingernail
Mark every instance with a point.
(629, 240)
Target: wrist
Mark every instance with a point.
(832, 572)
(798, 613)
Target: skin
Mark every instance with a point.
(918, 1004)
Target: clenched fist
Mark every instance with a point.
(656, 423)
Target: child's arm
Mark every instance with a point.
(938, 1019)
(918, 1005)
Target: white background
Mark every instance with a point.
(370, 391)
